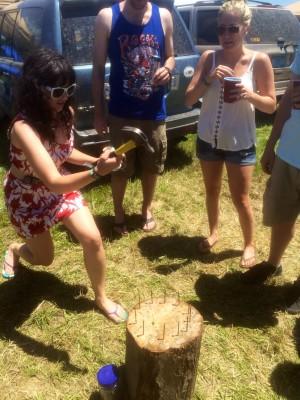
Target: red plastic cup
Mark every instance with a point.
(229, 84)
(296, 84)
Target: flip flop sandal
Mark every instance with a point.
(119, 313)
(147, 221)
(5, 274)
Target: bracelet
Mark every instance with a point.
(93, 173)
(205, 81)
(169, 71)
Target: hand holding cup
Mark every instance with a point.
(232, 89)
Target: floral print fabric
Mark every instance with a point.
(32, 207)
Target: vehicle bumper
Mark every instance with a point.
(182, 123)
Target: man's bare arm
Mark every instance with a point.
(102, 32)
(163, 75)
(169, 47)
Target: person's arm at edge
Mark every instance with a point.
(282, 115)
(102, 32)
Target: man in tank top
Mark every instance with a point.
(137, 37)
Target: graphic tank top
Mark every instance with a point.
(135, 52)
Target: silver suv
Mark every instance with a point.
(273, 30)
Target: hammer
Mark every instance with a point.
(135, 137)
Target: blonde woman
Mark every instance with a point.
(226, 131)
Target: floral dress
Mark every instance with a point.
(32, 207)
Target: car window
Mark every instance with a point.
(186, 16)
(182, 43)
(207, 27)
(6, 35)
(268, 25)
(28, 32)
(262, 29)
(78, 37)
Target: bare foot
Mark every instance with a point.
(206, 244)
(112, 311)
(248, 258)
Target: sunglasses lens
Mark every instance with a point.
(71, 90)
(57, 92)
(230, 29)
(233, 29)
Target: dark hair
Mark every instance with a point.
(44, 67)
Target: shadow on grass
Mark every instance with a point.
(20, 296)
(105, 224)
(227, 301)
(180, 246)
(285, 378)
(177, 157)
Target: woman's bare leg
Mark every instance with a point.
(239, 179)
(82, 225)
(212, 175)
(38, 250)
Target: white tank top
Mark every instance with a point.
(228, 126)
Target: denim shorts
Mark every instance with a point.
(206, 152)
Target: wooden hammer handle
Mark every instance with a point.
(125, 147)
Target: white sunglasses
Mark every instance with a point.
(57, 92)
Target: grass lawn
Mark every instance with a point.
(52, 341)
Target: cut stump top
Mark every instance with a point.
(162, 324)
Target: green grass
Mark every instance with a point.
(52, 341)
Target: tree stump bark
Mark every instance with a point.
(163, 338)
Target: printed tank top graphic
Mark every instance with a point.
(140, 59)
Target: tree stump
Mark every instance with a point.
(163, 338)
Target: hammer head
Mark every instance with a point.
(137, 136)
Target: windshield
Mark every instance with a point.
(78, 38)
(267, 26)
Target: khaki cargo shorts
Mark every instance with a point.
(156, 133)
(282, 195)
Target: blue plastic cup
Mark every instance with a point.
(108, 378)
